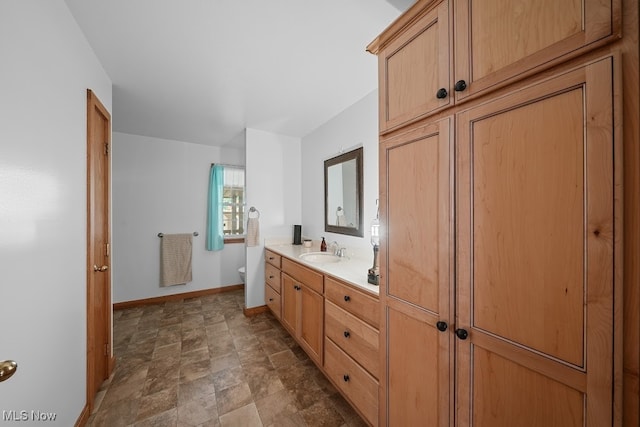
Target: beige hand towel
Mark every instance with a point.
(253, 232)
(175, 259)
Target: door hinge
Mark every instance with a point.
(106, 148)
(107, 249)
(106, 349)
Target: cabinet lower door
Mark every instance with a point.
(416, 277)
(537, 235)
(311, 322)
(289, 309)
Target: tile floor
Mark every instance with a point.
(201, 362)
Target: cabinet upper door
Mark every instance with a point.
(414, 70)
(537, 237)
(496, 40)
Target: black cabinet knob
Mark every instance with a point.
(270, 299)
(442, 326)
(345, 378)
(271, 277)
(462, 334)
(460, 85)
(442, 93)
(346, 334)
(347, 298)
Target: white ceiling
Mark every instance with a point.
(202, 70)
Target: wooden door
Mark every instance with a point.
(414, 68)
(497, 40)
(416, 277)
(289, 303)
(99, 362)
(536, 236)
(311, 322)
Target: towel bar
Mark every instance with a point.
(195, 233)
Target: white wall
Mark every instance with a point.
(355, 126)
(160, 186)
(273, 187)
(46, 68)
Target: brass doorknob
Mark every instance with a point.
(7, 369)
(100, 269)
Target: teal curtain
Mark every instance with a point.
(215, 232)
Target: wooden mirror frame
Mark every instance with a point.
(356, 155)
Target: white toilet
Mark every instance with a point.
(241, 271)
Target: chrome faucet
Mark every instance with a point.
(339, 251)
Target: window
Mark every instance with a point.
(233, 205)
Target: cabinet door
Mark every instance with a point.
(416, 277)
(413, 68)
(311, 322)
(536, 246)
(499, 39)
(289, 303)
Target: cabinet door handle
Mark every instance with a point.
(462, 334)
(442, 93)
(346, 334)
(345, 377)
(271, 277)
(347, 298)
(270, 299)
(460, 85)
(271, 258)
(442, 326)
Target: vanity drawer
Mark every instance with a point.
(272, 258)
(272, 299)
(303, 274)
(360, 387)
(358, 303)
(272, 276)
(358, 339)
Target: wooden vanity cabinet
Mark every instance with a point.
(491, 42)
(272, 287)
(352, 345)
(303, 307)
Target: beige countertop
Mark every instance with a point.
(351, 269)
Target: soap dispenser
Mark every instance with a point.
(323, 246)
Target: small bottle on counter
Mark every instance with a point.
(323, 246)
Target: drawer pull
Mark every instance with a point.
(462, 334)
(271, 277)
(296, 287)
(271, 258)
(346, 334)
(460, 85)
(442, 93)
(347, 298)
(270, 299)
(345, 378)
(442, 326)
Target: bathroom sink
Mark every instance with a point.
(320, 257)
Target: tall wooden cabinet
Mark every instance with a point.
(501, 264)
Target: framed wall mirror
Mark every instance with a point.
(343, 194)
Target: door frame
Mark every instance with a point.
(93, 104)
